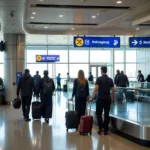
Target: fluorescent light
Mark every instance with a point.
(72, 28)
(119, 2)
(45, 27)
(137, 29)
(93, 17)
(61, 16)
(32, 17)
(33, 13)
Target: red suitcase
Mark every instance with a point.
(86, 124)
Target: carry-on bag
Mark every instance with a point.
(36, 110)
(16, 103)
(65, 88)
(72, 119)
(86, 123)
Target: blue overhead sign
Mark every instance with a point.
(47, 58)
(105, 42)
(18, 76)
(139, 42)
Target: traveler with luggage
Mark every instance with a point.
(26, 87)
(37, 78)
(140, 76)
(103, 86)
(46, 88)
(116, 77)
(58, 79)
(81, 93)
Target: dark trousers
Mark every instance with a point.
(58, 86)
(26, 102)
(100, 106)
(80, 106)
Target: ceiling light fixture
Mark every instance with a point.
(97, 14)
(61, 16)
(33, 13)
(119, 2)
(45, 27)
(137, 29)
(32, 17)
(93, 17)
(72, 28)
(41, 0)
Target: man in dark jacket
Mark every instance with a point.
(140, 76)
(27, 86)
(90, 77)
(122, 80)
(46, 89)
(116, 77)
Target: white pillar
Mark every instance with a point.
(14, 61)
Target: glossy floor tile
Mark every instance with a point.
(15, 134)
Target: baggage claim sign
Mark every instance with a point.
(105, 42)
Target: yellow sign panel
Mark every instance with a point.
(79, 42)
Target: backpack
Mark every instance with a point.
(81, 90)
(47, 87)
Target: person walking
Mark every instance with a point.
(90, 77)
(58, 79)
(46, 88)
(122, 80)
(116, 77)
(103, 86)
(81, 93)
(37, 78)
(140, 76)
(26, 87)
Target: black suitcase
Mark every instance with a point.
(130, 95)
(36, 110)
(64, 88)
(72, 119)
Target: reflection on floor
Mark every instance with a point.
(15, 134)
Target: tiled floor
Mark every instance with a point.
(15, 134)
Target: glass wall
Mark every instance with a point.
(72, 59)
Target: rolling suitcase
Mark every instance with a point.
(64, 88)
(72, 119)
(36, 110)
(86, 123)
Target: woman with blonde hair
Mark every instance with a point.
(81, 93)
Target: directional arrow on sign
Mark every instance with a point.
(135, 42)
(115, 42)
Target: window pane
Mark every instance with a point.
(119, 67)
(74, 68)
(131, 70)
(99, 56)
(119, 56)
(62, 53)
(1, 57)
(131, 56)
(37, 67)
(62, 69)
(2, 71)
(31, 55)
(78, 56)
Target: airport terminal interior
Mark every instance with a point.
(65, 36)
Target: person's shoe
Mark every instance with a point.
(100, 131)
(24, 118)
(27, 119)
(105, 132)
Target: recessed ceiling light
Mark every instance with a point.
(34, 13)
(32, 17)
(137, 29)
(72, 28)
(119, 2)
(93, 17)
(41, 0)
(97, 14)
(45, 27)
(61, 16)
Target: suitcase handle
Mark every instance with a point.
(71, 100)
(87, 108)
